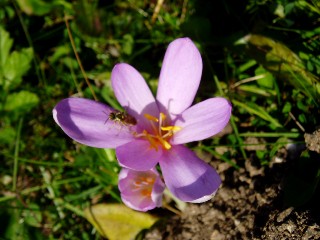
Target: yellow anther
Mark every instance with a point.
(168, 128)
(150, 117)
(149, 180)
(164, 143)
(167, 145)
(171, 128)
(176, 128)
(137, 182)
(146, 192)
(152, 141)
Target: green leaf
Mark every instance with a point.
(256, 110)
(7, 135)
(244, 67)
(271, 134)
(32, 215)
(277, 145)
(16, 66)
(21, 102)
(5, 46)
(118, 222)
(34, 7)
(283, 63)
(10, 227)
(267, 80)
(12, 65)
(38, 7)
(14, 226)
(128, 43)
(59, 53)
(256, 90)
(287, 107)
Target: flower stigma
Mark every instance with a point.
(161, 134)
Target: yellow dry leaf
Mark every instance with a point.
(118, 222)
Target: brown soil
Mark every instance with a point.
(249, 205)
(313, 141)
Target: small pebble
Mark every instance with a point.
(284, 214)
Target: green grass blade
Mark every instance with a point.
(16, 157)
(254, 109)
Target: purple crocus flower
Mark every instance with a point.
(141, 191)
(163, 124)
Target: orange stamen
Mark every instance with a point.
(161, 134)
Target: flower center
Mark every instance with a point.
(144, 184)
(160, 134)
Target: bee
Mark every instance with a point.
(122, 118)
